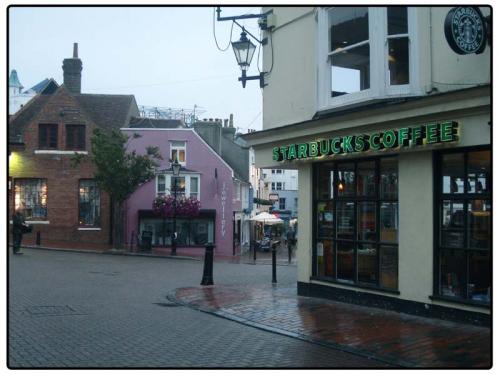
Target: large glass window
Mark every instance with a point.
(464, 244)
(190, 232)
(366, 53)
(357, 222)
(89, 203)
(30, 197)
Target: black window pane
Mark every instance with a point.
(325, 256)
(389, 267)
(397, 20)
(367, 230)
(399, 61)
(345, 220)
(479, 172)
(348, 26)
(366, 179)
(479, 284)
(367, 264)
(89, 203)
(479, 224)
(324, 189)
(453, 270)
(325, 219)
(389, 219)
(452, 224)
(389, 178)
(345, 261)
(453, 173)
(345, 180)
(53, 136)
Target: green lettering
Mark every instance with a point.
(374, 146)
(403, 137)
(324, 147)
(335, 148)
(313, 149)
(276, 155)
(432, 131)
(449, 131)
(302, 151)
(416, 136)
(292, 152)
(347, 144)
(361, 144)
(283, 150)
(389, 139)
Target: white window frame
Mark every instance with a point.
(237, 191)
(380, 87)
(168, 183)
(179, 148)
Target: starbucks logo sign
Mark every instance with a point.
(465, 30)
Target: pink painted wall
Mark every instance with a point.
(200, 158)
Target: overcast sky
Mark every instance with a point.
(165, 56)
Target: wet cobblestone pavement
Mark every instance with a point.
(397, 339)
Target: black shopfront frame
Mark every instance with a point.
(356, 241)
(465, 197)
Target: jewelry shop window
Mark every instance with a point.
(464, 242)
(356, 222)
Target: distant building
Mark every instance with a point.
(18, 98)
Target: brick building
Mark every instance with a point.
(62, 202)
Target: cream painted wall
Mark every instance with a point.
(415, 226)
(290, 95)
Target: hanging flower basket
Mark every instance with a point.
(185, 206)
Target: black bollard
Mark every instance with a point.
(254, 251)
(289, 252)
(38, 238)
(208, 267)
(274, 263)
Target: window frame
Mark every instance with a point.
(464, 198)
(179, 148)
(356, 242)
(43, 183)
(78, 144)
(168, 183)
(380, 87)
(48, 129)
(97, 222)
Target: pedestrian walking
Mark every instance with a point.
(19, 227)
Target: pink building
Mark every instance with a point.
(204, 175)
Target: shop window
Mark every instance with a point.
(30, 197)
(75, 137)
(89, 203)
(366, 53)
(47, 136)
(190, 232)
(357, 221)
(464, 243)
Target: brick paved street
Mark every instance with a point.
(93, 310)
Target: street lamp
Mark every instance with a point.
(176, 168)
(243, 51)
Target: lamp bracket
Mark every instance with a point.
(244, 16)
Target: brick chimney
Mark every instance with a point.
(72, 69)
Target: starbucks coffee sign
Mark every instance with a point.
(391, 139)
(465, 30)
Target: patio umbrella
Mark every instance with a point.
(266, 218)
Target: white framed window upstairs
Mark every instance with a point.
(187, 184)
(178, 151)
(365, 53)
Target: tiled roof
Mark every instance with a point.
(145, 122)
(108, 111)
(23, 117)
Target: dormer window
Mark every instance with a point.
(178, 151)
(365, 54)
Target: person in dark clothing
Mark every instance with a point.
(17, 230)
(290, 240)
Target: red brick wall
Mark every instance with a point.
(62, 177)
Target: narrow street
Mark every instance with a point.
(91, 310)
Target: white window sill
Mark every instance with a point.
(59, 152)
(89, 228)
(34, 222)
